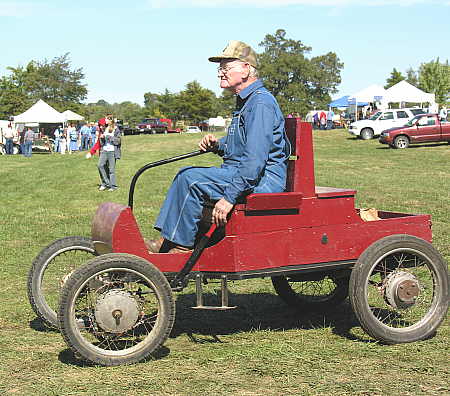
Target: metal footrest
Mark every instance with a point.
(224, 295)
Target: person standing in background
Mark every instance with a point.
(85, 133)
(63, 141)
(330, 115)
(109, 144)
(443, 113)
(57, 134)
(72, 139)
(93, 139)
(28, 139)
(8, 134)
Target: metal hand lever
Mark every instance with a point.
(158, 163)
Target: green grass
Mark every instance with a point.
(261, 348)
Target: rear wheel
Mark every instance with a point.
(399, 289)
(49, 271)
(401, 142)
(117, 309)
(316, 291)
(366, 134)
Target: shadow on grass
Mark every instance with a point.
(259, 311)
(67, 356)
(38, 325)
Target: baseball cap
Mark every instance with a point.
(237, 50)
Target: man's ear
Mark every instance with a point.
(247, 75)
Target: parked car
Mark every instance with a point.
(423, 128)
(125, 128)
(193, 129)
(152, 125)
(382, 120)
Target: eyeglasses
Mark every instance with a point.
(225, 70)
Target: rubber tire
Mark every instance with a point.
(40, 265)
(366, 134)
(161, 331)
(401, 142)
(296, 300)
(358, 290)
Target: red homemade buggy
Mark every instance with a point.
(311, 241)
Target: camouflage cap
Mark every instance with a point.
(237, 50)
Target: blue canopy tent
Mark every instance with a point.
(345, 101)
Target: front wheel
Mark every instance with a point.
(315, 291)
(117, 309)
(366, 134)
(399, 289)
(49, 271)
(401, 142)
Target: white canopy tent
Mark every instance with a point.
(373, 93)
(370, 94)
(403, 91)
(70, 115)
(40, 112)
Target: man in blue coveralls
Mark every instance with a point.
(254, 152)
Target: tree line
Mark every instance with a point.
(299, 82)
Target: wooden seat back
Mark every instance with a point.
(300, 174)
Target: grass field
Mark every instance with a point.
(262, 347)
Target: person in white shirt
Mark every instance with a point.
(109, 144)
(443, 114)
(9, 134)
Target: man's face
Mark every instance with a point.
(233, 74)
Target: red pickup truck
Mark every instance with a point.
(423, 128)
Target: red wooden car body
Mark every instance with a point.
(306, 228)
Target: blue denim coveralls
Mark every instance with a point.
(255, 153)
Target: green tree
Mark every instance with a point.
(52, 81)
(131, 113)
(225, 103)
(12, 98)
(95, 111)
(299, 83)
(395, 78)
(411, 77)
(195, 103)
(434, 77)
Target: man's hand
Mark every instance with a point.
(208, 142)
(220, 212)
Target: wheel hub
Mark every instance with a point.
(116, 311)
(401, 290)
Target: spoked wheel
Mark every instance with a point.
(117, 309)
(49, 271)
(399, 289)
(316, 291)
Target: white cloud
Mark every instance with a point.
(281, 3)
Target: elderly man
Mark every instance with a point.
(254, 151)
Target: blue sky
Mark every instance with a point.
(128, 48)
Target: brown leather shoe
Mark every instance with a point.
(154, 245)
(180, 249)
